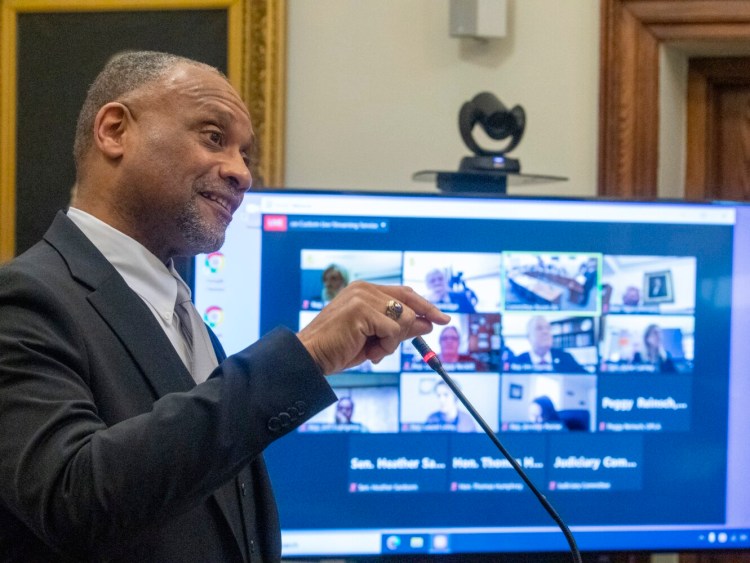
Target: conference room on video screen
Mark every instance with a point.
(538, 341)
(575, 343)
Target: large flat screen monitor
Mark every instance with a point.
(607, 343)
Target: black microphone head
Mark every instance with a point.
(421, 346)
(426, 352)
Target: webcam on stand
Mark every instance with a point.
(489, 170)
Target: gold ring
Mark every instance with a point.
(394, 309)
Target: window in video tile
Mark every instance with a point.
(362, 406)
(326, 272)
(647, 343)
(648, 284)
(457, 282)
(550, 343)
(548, 402)
(541, 281)
(470, 343)
(428, 404)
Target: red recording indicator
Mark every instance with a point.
(274, 223)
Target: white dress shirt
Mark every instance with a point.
(153, 281)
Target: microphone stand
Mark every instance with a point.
(434, 362)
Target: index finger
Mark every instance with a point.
(417, 303)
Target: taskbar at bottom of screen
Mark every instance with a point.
(308, 543)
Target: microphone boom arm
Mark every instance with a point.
(434, 362)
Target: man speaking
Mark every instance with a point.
(126, 433)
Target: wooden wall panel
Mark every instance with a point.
(251, 39)
(631, 34)
(718, 125)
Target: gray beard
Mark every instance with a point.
(200, 235)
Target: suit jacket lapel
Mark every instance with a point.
(221, 355)
(139, 332)
(133, 323)
(121, 308)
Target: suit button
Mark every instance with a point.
(274, 424)
(243, 489)
(301, 407)
(285, 419)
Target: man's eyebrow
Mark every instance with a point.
(223, 117)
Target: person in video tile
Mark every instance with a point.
(587, 277)
(654, 352)
(343, 416)
(631, 297)
(335, 278)
(542, 356)
(344, 410)
(543, 410)
(449, 293)
(451, 358)
(448, 412)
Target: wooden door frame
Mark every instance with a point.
(705, 77)
(256, 66)
(632, 32)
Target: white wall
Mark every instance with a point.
(673, 71)
(375, 86)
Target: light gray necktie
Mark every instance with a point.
(201, 355)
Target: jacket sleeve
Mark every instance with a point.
(81, 483)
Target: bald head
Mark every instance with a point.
(122, 74)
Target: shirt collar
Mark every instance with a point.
(546, 359)
(155, 282)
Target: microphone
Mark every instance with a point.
(430, 357)
(434, 362)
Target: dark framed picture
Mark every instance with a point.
(657, 287)
(515, 392)
(50, 52)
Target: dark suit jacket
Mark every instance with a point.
(562, 361)
(108, 450)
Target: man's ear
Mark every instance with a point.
(111, 122)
